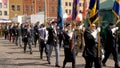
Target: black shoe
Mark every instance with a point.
(30, 52)
(57, 65)
(103, 64)
(117, 66)
(49, 62)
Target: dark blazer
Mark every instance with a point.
(51, 35)
(90, 49)
(110, 38)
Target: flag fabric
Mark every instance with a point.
(75, 9)
(93, 11)
(84, 9)
(4, 1)
(60, 14)
(116, 9)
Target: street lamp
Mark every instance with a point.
(45, 9)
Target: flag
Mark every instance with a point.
(75, 9)
(93, 11)
(60, 14)
(84, 9)
(4, 1)
(116, 9)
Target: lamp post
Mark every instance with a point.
(45, 9)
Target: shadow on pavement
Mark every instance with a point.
(29, 64)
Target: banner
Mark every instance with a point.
(75, 9)
(93, 11)
(60, 15)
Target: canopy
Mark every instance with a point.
(5, 21)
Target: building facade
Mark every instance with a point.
(4, 9)
(67, 6)
(15, 8)
(35, 6)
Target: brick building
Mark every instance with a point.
(15, 8)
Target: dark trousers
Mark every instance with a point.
(114, 52)
(41, 48)
(89, 62)
(69, 57)
(29, 44)
(36, 39)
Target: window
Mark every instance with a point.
(5, 13)
(31, 9)
(13, 7)
(39, 9)
(66, 4)
(0, 12)
(18, 7)
(69, 11)
(5, 5)
(80, 4)
(0, 5)
(26, 8)
(66, 11)
(52, 9)
(33, 1)
(69, 3)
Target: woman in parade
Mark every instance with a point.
(27, 38)
(69, 50)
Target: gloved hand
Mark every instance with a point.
(98, 29)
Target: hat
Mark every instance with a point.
(111, 24)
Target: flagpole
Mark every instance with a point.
(74, 14)
(83, 19)
(99, 39)
(45, 8)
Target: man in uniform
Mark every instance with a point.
(90, 52)
(110, 45)
(53, 42)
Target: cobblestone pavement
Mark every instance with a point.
(12, 56)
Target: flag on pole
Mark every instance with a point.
(60, 14)
(84, 9)
(75, 9)
(116, 9)
(93, 11)
(4, 1)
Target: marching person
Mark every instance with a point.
(53, 42)
(42, 40)
(15, 34)
(68, 45)
(36, 33)
(27, 38)
(110, 46)
(90, 52)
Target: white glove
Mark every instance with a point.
(114, 29)
(98, 29)
(81, 26)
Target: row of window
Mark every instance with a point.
(15, 7)
(5, 13)
(68, 11)
(70, 4)
(27, 8)
(3, 5)
(31, 8)
(41, 0)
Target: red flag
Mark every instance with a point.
(4, 1)
(84, 9)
